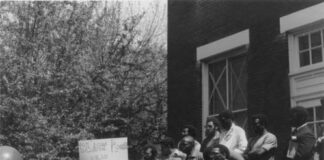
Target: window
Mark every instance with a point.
(310, 48)
(227, 87)
(224, 76)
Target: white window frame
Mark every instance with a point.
(294, 61)
(229, 46)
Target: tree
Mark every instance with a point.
(79, 70)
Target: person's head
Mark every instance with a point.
(226, 119)
(166, 145)
(9, 153)
(259, 123)
(187, 144)
(188, 130)
(298, 116)
(212, 126)
(150, 152)
(216, 152)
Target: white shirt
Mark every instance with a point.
(234, 139)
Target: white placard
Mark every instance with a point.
(104, 149)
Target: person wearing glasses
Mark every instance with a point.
(211, 132)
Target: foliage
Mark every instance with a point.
(78, 70)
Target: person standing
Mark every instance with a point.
(212, 134)
(302, 141)
(232, 136)
(262, 146)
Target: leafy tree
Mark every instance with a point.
(79, 70)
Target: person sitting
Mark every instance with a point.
(216, 152)
(211, 132)
(169, 151)
(150, 153)
(189, 130)
(187, 146)
(262, 146)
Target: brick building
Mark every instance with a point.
(246, 56)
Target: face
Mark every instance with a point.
(215, 154)
(185, 132)
(257, 127)
(210, 129)
(186, 145)
(148, 153)
(225, 123)
(293, 119)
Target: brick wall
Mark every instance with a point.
(193, 23)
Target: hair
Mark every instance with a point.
(214, 120)
(168, 142)
(301, 114)
(153, 149)
(263, 119)
(226, 115)
(191, 130)
(222, 149)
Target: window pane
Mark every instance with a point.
(304, 58)
(310, 114)
(237, 83)
(323, 36)
(217, 87)
(317, 55)
(320, 129)
(316, 39)
(320, 113)
(303, 42)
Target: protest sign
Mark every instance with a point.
(103, 149)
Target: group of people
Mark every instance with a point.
(224, 140)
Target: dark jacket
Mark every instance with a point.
(305, 140)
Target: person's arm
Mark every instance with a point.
(242, 142)
(270, 141)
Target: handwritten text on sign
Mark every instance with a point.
(104, 149)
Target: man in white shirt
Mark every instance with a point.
(232, 136)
